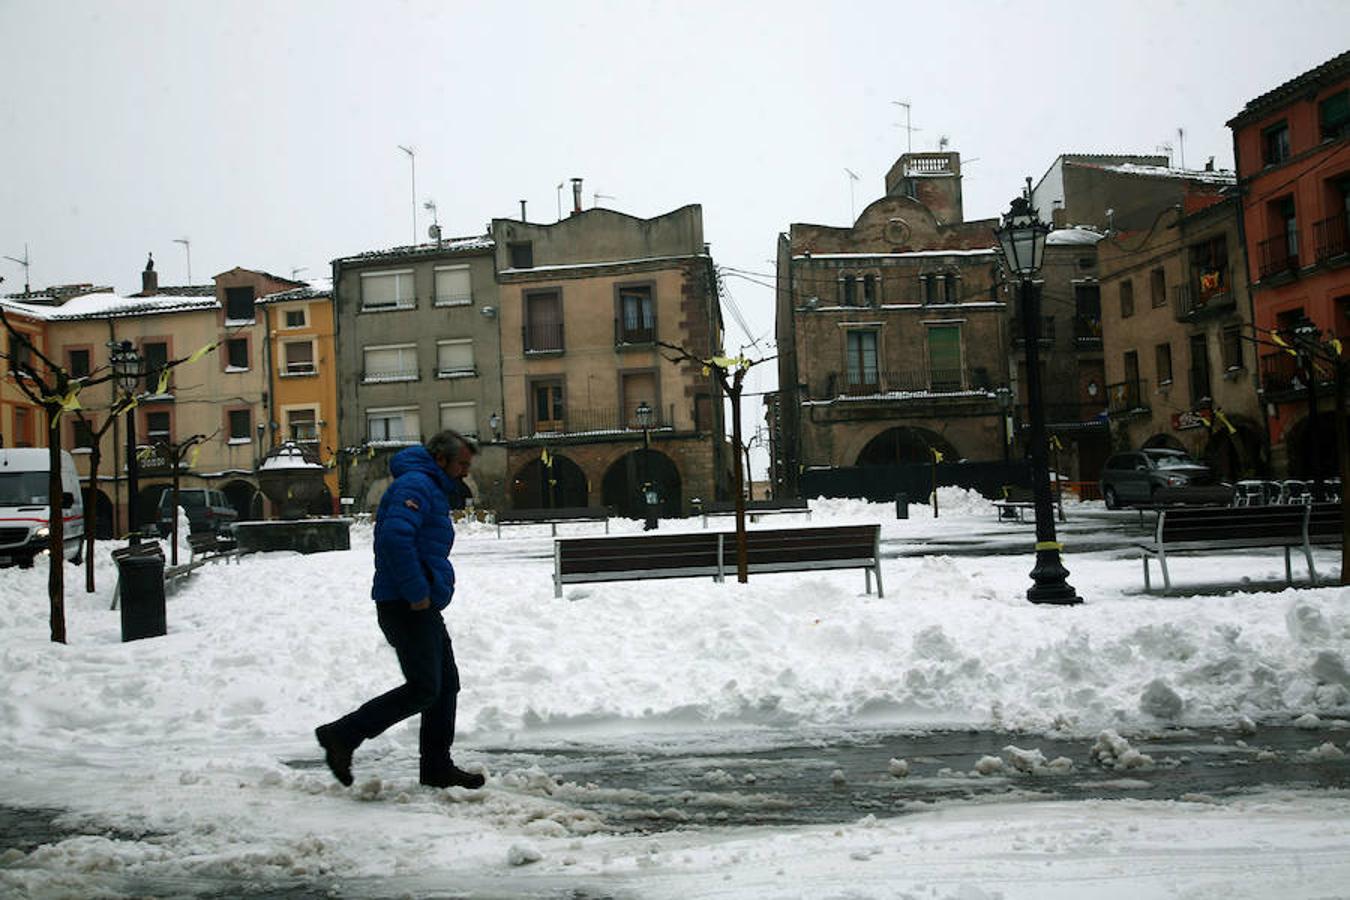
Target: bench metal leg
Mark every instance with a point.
(721, 575)
(1162, 564)
(557, 569)
(553, 527)
(1288, 569)
(1312, 570)
(1148, 586)
(867, 580)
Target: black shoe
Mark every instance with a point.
(337, 754)
(453, 776)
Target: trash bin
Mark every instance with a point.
(902, 505)
(140, 574)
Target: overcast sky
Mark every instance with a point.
(268, 133)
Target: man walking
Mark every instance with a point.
(414, 581)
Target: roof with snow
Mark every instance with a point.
(316, 289)
(109, 305)
(1208, 176)
(1073, 235)
(448, 245)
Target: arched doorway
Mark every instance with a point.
(621, 489)
(1164, 442)
(1234, 455)
(536, 486)
(906, 445)
(1309, 458)
(147, 503)
(240, 495)
(105, 518)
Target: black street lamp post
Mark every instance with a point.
(1022, 242)
(126, 366)
(1004, 396)
(649, 498)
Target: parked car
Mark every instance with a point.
(1136, 477)
(24, 507)
(208, 512)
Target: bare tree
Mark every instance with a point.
(730, 373)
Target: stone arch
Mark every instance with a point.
(905, 444)
(105, 517)
(1234, 455)
(241, 495)
(536, 486)
(621, 487)
(147, 503)
(1164, 441)
(1306, 460)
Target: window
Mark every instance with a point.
(399, 425)
(637, 315)
(944, 357)
(20, 352)
(302, 425)
(1132, 376)
(461, 417)
(1157, 288)
(82, 434)
(236, 354)
(298, 358)
(79, 363)
(241, 426)
(870, 290)
(939, 288)
(543, 322)
(1232, 347)
(157, 428)
(1209, 263)
(1199, 368)
(1087, 326)
(861, 350)
(1163, 364)
(154, 358)
(393, 363)
(454, 358)
(1275, 143)
(848, 291)
(522, 254)
(239, 304)
(295, 318)
(637, 388)
(23, 427)
(388, 290)
(1126, 298)
(547, 406)
(454, 286)
(1333, 115)
(1289, 223)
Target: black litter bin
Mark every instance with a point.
(140, 573)
(902, 506)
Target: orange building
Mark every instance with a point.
(1292, 149)
(22, 422)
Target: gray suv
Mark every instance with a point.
(1136, 477)
(208, 512)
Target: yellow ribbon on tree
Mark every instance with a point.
(1223, 420)
(937, 454)
(68, 403)
(1054, 442)
(163, 386)
(192, 459)
(1335, 344)
(145, 453)
(545, 458)
(201, 351)
(1275, 336)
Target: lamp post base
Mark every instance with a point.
(1051, 579)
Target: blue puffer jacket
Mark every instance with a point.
(414, 532)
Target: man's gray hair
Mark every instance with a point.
(448, 443)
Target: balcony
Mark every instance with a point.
(1087, 332)
(602, 421)
(1209, 293)
(1067, 416)
(629, 334)
(381, 376)
(1047, 338)
(1331, 237)
(928, 164)
(1284, 374)
(1127, 397)
(1276, 257)
(916, 382)
(542, 338)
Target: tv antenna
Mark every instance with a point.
(852, 180)
(23, 262)
(187, 245)
(560, 187)
(597, 197)
(1181, 146)
(909, 129)
(412, 161)
(296, 270)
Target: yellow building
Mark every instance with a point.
(22, 423)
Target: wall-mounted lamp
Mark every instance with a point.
(488, 311)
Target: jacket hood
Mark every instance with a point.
(417, 459)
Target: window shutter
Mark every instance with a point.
(454, 356)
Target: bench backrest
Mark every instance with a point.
(561, 512)
(755, 505)
(1325, 522)
(805, 545)
(1256, 525)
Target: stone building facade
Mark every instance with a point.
(586, 303)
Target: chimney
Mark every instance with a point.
(1209, 166)
(522, 212)
(149, 278)
(576, 196)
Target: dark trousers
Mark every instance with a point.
(431, 685)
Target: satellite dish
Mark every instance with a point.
(434, 232)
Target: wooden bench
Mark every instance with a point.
(1215, 529)
(1015, 504)
(553, 517)
(703, 553)
(754, 508)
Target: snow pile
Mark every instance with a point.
(1114, 752)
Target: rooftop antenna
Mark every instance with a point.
(1166, 147)
(943, 141)
(599, 196)
(852, 180)
(296, 270)
(1181, 145)
(430, 206)
(909, 129)
(560, 187)
(23, 262)
(187, 245)
(412, 160)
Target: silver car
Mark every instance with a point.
(1136, 477)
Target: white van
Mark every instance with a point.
(24, 507)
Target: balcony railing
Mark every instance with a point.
(1047, 338)
(632, 335)
(1125, 397)
(542, 338)
(1211, 291)
(1276, 257)
(1087, 332)
(906, 381)
(598, 420)
(453, 300)
(928, 164)
(1285, 374)
(379, 376)
(1064, 416)
(1332, 237)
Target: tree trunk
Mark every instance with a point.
(90, 514)
(56, 530)
(1343, 451)
(742, 562)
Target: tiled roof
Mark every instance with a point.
(1336, 67)
(447, 245)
